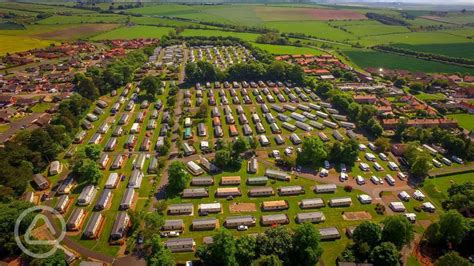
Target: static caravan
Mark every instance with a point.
(205, 208)
(364, 199)
(188, 149)
(340, 202)
(66, 186)
(140, 117)
(195, 193)
(160, 142)
(104, 200)
(111, 144)
(151, 124)
(153, 166)
(364, 167)
(181, 209)
(145, 145)
(430, 149)
(260, 128)
(202, 131)
(275, 205)
(304, 107)
(62, 204)
(269, 117)
(369, 156)
(428, 206)
(264, 140)
(129, 106)
(86, 124)
(80, 137)
(140, 162)
(261, 192)
(252, 166)
(393, 166)
(103, 160)
(339, 117)
(298, 117)
(118, 162)
(240, 109)
(351, 134)
(102, 104)
(316, 125)
(93, 227)
(76, 219)
(397, 206)
(256, 118)
(278, 108)
(347, 125)
(181, 245)
(130, 142)
(112, 181)
(202, 181)
(208, 166)
(96, 138)
(303, 126)
(135, 128)
(226, 192)
(235, 221)
(279, 140)
(229, 119)
(40, 181)
(264, 108)
(337, 135)
(275, 219)
(325, 188)
(314, 106)
(312, 217)
(204, 224)
(87, 195)
(218, 132)
(283, 118)
(290, 190)
(329, 233)
(446, 161)
(233, 131)
(103, 128)
(92, 117)
(311, 203)
(330, 124)
(262, 180)
(288, 126)
(278, 175)
(135, 179)
(230, 180)
(295, 139)
(122, 221)
(127, 199)
(247, 130)
(173, 225)
(310, 116)
(274, 128)
(390, 180)
(322, 114)
(123, 119)
(323, 136)
(243, 119)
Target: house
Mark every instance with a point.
(76, 219)
(313, 217)
(329, 233)
(94, 226)
(181, 209)
(40, 182)
(274, 219)
(235, 221)
(362, 98)
(121, 224)
(173, 225)
(340, 202)
(7, 100)
(55, 168)
(181, 245)
(274, 205)
(311, 203)
(204, 224)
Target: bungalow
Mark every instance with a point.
(181, 209)
(313, 217)
(290, 190)
(204, 224)
(195, 193)
(87, 195)
(235, 221)
(275, 219)
(226, 192)
(278, 175)
(340, 202)
(94, 225)
(121, 224)
(205, 208)
(181, 245)
(311, 203)
(76, 219)
(261, 191)
(40, 182)
(173, 225)
(274, 205)
(127, 199)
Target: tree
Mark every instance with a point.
(223, 158)
(202, 111)
(87, 169)
(398, 230)
(460, 197)
(324, 88)
(159, 255)
(92, 151)
(152, 223)
(178, 177)
(306, 245)
(345, 152)
(9, 213)
(312, 151)
(452, 228)
(451, 259)
(417, 86)
(385, 254)
(270, 260)
(151, 84)
(245, 249)
(85, 87)
(367, 232)
(421, 166)
(399, 82)
(58, 258)
(239, 146)
(276, 241)
(383, 144)
(221, 252)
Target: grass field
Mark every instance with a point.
(41, 107)
(461, 50)
(368, 58)
(465, 120)
(11, 44)
(414, 38)
(134, 32)
(4, 127)
(430, 96)
(437, 187)
(282, 49)
(207, 33)
(83, 19)
(315, 28)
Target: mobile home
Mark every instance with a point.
(313, 217)
(127, 199)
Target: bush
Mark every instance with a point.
(380, 209)
(348, 188)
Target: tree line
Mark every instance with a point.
(387, 20)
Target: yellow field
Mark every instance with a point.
(12, 44)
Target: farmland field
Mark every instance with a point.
(134, 32)
(282, 49)
(12, 44)
(464, 120)
(207, 33)
(83, 19)
(315, 28)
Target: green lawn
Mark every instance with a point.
(436, 188)
(412, 261)
(41, 107)
(4, 127)
(465, 120)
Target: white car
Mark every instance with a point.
(343, 177)
(173, 234)
(323, 173)
(242, 228)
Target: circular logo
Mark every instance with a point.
(40, 209)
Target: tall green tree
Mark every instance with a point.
(306, 245)
(398, 230)
(312, 151)
(276, 241)
(88, 170)
(385, 254)
(178, 178)
(151, 85)
(451, 259)
(267, 260)
(245, 249)
(85, 87)
(367, 232)
(159, 255)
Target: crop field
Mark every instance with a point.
(282, 49)
(368, 58)
(414, 38)
(461, 50)
(134, 32)
(160, 21)
(454, 18)
(314, 28)
(464, 120)
(273, 13)
(250, 37)
(83, 19)
(380, 29)
(12, 44)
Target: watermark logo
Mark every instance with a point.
(53, 244)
